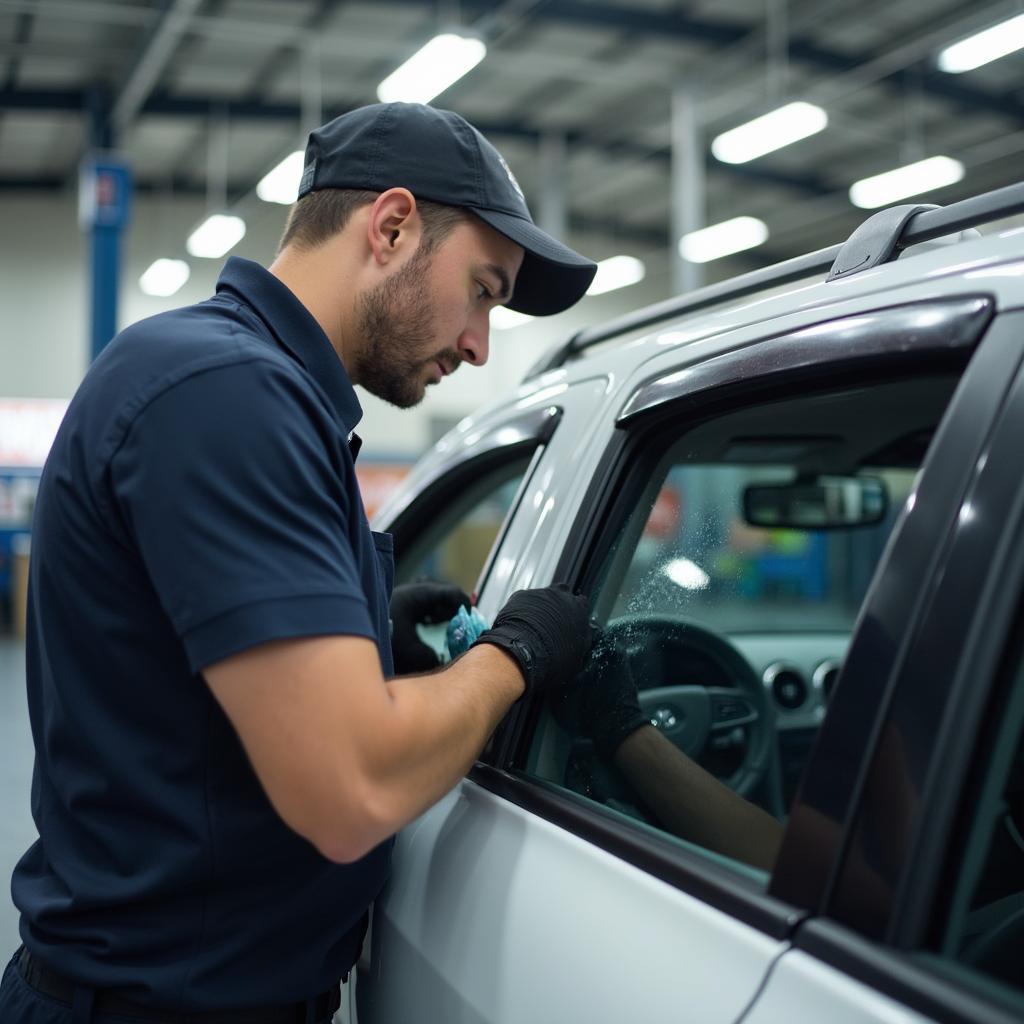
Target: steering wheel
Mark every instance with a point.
(690, 714)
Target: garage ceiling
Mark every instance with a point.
(156, 79)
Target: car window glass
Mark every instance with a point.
(465, 519)
(740, 543)
(984, 929)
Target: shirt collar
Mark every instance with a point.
(296, 331)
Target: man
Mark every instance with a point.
(221, 757)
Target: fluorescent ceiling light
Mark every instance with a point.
(723, 239)
(616, 272)
(215, 236)
(281, 185)
(912, 180)
(164, 277)
(993, 43)
(504, 319)
(432, 69)
(772, 131)
(686, 574)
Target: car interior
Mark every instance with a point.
(744, 544)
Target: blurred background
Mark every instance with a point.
(678, 143)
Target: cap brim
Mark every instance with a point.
(553, 277)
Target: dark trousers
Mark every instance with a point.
(20, 1004)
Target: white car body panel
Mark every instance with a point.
(802, 990)
(495, 915)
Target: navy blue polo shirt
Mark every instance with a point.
(200, 499)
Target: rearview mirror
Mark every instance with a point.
(827, 502)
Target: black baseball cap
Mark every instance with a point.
(440, 156)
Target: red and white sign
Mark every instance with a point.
(663, 522)
(27, 429)
(377, 482)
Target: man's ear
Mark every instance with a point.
(394, 225)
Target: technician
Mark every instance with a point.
(222, 755)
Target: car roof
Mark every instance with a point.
(809, 300)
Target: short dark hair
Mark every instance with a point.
(320, 215)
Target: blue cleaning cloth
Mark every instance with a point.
(463, 630)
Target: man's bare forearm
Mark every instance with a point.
(441, 722)
(692, 804)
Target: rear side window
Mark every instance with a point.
(453, 544)
(983, 931)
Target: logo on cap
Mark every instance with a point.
(512, 177)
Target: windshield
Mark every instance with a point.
(699, 559)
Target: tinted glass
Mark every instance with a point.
(984, 930)
(697, 713)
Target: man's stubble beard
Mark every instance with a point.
(396, 322)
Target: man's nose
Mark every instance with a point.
(474, 342)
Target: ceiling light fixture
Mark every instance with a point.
(983, 47)
(504, 319)
(164, 277)
(281, 185)
(911, 180)
(217, 234)
(772, 131)
(617, 272)
(686, 574)
(432, 69)
(724, 239)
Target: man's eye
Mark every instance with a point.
(484, 292)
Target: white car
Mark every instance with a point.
(797, 503)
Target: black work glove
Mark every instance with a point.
(548, 633)
(412, 603)
(608, 708)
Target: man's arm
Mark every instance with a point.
(688, 801)
(345, 758)
(692, 804)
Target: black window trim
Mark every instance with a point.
(835, 780)
(823, 814)
(933, 324)
(973, 648)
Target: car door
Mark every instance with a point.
(922, 907)
(452, 518)
(540, 888)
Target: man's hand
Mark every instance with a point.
(547, 632)
(412, 603)
(609, 710)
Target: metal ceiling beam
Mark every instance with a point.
(22, 31)
(674, 24)
(62, 101)
(241, 110)
(151, 60)
(265, 75)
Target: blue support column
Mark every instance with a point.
(104, 206)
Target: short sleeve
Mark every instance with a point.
(236, 487)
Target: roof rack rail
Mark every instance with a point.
(879, 239)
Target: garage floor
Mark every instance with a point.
(16, 828)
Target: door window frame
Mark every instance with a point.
(650, 407)
(499, 446)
